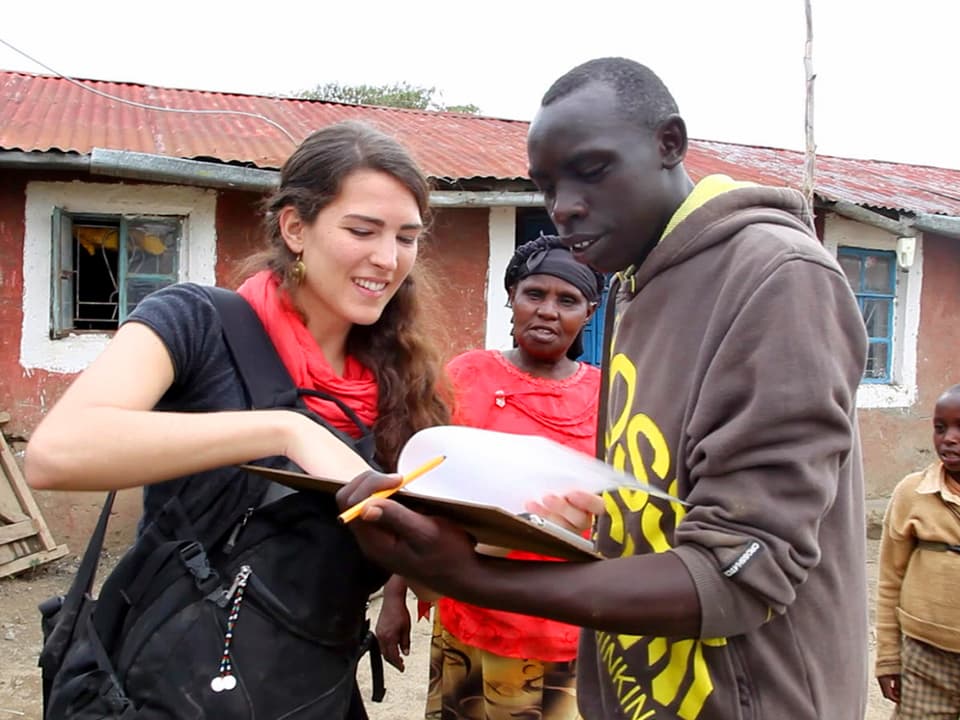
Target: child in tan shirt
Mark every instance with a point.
(918, 595)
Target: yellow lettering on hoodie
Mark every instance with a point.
(679, 664)
(671, 665)
(636, 445)
(622, 369)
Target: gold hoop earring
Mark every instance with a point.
(298, 271)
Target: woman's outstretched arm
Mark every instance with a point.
(103, 433)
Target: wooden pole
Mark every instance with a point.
(809, 174)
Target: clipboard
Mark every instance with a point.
(488, 524)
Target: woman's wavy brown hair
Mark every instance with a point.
(397, 347)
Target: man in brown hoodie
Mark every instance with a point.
(733, 355)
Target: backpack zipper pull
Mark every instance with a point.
(241, 577)
(225, 679)
(235, 533)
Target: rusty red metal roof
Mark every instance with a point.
(44, 113)
(40, 112)
(874, 183)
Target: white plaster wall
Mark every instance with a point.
(902, 392)
(198, 256)
(502, 233)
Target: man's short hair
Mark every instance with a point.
(641, 95)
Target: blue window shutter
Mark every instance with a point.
(593, 333)
(62, 274)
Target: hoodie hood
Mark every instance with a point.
(720, 209)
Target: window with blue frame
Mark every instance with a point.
(103, 265)
(873, 276)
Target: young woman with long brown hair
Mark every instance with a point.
(164, 406)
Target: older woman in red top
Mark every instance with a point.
(487, 664)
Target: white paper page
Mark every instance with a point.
(501, 469)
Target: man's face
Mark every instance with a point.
(603, 178)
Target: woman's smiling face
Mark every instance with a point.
(358, 250)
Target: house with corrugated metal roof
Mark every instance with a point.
(113, 189)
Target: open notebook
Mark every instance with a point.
(485, 481)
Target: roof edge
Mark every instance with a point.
(162, 168)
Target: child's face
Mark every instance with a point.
(946, 432)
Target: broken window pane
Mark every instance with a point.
(152, 257)
(153, 246)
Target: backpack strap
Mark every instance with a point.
(346, 409)
(263, 374)
(91, 557)
(65, 611)
(267, 382)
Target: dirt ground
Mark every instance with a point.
(20, 645)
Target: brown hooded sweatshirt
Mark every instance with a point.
(734, 359)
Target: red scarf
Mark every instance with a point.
(305, 361)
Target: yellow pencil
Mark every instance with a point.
(351, 513)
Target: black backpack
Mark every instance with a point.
(237, 610)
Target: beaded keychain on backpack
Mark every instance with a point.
(225, 680)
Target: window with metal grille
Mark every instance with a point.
(103, 265)
(873, 276)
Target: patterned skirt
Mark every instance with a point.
(929, 682)
(467, 683)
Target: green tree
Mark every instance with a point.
(400, 94)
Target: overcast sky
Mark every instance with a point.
(886, 83)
